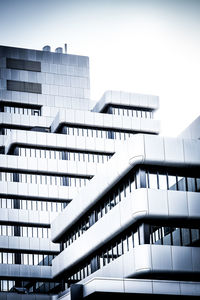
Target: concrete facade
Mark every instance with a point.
(93, 202)
(53, 141)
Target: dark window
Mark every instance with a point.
(22, 86)
(176, 237)
(181, 183)
(172, 184)
(2, 150)
(191, 184)
(21, 64)
(186, 240)
(35, 112)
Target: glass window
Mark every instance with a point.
(137, 177)
(110, 135)
(158, 236)
(30, 259)
(136, 239)
(132, 187)
(117, 197)
(172, 182)
(9, 233)
(35, 233)
(127, 188)
(191, 184)
(45, 233)
(120, 248)
(10, 258)
(29, 206)
(89, 269)
(185, 232)
(115, 254)
(167, 237)
(198, 184)
(4, 230)
(130, 241)
(35, 259)
(153, 181)
(23, 204)
(195, 236)
(9, 203)
(4, 285)
(25, 258)
(176, 237)
(181, 183)
(143, 115)
(11, 284)
(125, 245)
(5, 258)
(109, 255)
(40, 259)
(162, 181)
(142, 174)
(30, 231)
(24, 231)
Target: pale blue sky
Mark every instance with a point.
(142, 46)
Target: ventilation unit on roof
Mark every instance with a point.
(59, 50)
(46, 48)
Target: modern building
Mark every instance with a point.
(53, 141)
(134, 230)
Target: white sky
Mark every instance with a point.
(141, 46)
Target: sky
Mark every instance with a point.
(139, 46)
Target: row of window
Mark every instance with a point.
(130, 112)
(62, 82)
(63, 155)
(165, 181)
(23, 86)
(26, 259)
(139, 179)
(21, 110)
(57, 67)
(24, 231)
(21, 64)
(97, 133)
(7, 285)
(5, 131)
(45, 287)
(32, 205)
(43, 179)
(129, 240)
(28, 287)
(174, 236)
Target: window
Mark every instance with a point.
(100, 133)
(172, 182)
(22, 86)
(36, 112)
(191, 184)
(181, 183)
(20, 64)
(145, 178)
(185, 232)
(63, 155)
(153, 181)
(162, 182)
